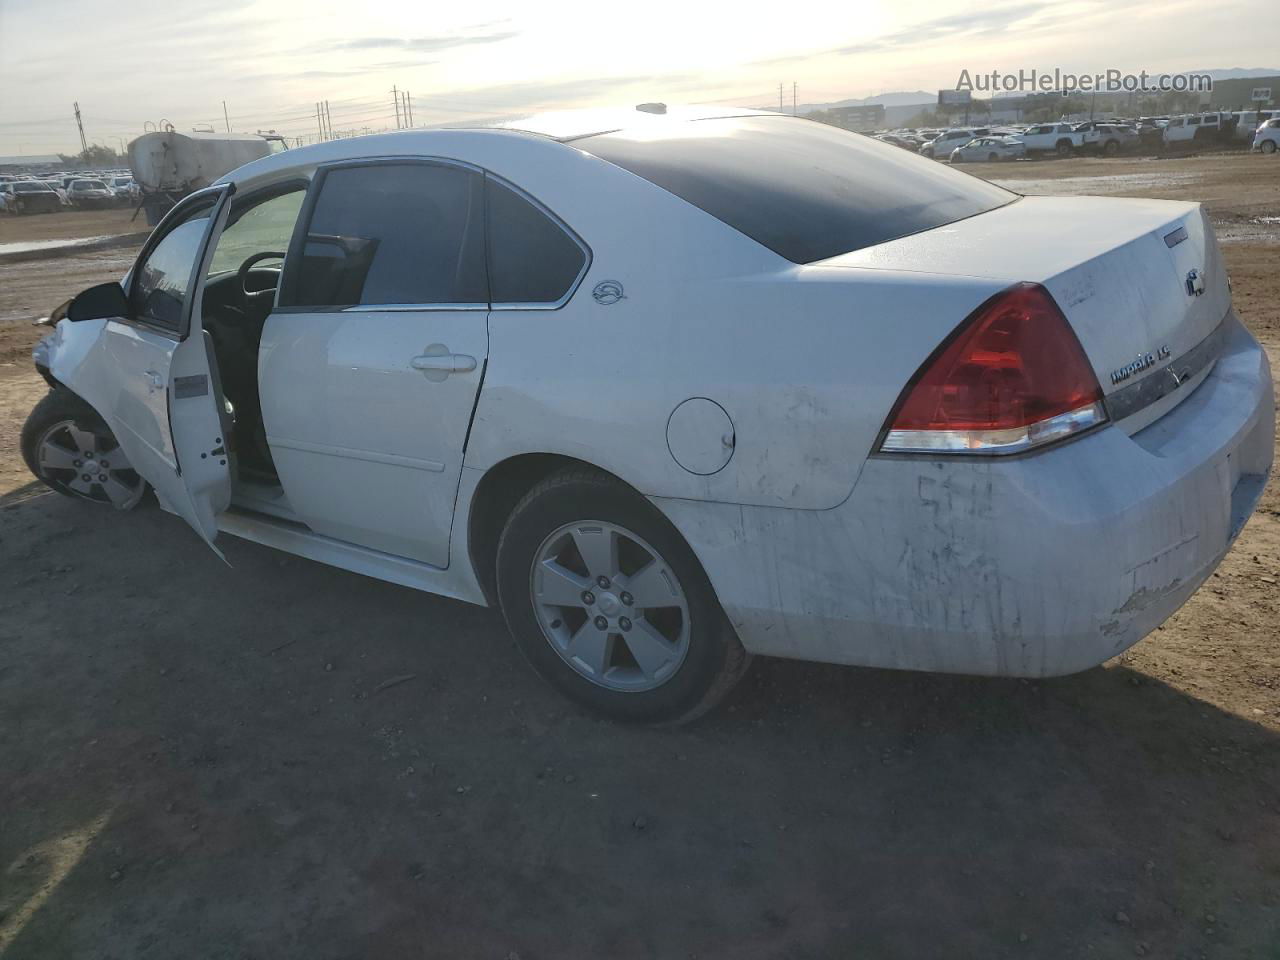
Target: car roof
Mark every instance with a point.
(552, 130)
(566, 125)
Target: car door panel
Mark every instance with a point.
(370, 365)
(368, 448)
(157, 394)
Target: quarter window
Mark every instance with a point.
(162, 284)
(532, 259)
(392, 233)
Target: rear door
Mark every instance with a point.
(372, 360)
(150, 374)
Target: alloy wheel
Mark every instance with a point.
(88, 465)
(610, 605)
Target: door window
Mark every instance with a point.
(261, 227)
(162, 282)
(532, 258)
(392, 233)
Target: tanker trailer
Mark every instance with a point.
(168, 165)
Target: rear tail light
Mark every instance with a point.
(1012, 377)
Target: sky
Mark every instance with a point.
(140, 61)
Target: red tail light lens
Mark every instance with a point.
(1012, 377)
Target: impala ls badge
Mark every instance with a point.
(1195, 284)
(1141, 362)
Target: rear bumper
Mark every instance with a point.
(1033, 566)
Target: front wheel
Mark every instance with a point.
(1064, 148)
(69, 449)
(609, 604)
(1268, 146)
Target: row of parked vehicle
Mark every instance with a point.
(1108, 137)
(54, 192)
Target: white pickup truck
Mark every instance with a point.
(1060, 138)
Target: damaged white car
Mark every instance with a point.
(673, 388)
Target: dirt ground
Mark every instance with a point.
(71, 225)
(207, 761)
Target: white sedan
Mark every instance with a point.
(989, 150)
(673, 388)
(1267, 136)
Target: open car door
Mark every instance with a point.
(151, 373)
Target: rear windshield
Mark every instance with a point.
(805, 190)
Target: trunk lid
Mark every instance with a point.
(1141, 281)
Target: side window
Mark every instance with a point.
(392, 233)
(162, 282)
(265, 226)
(532, 258)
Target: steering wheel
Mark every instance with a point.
(256, 296)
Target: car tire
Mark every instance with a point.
(1064, 148)
(1268, 146)
(677, 658)
(992, 157)
(57, 429)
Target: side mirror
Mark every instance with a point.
(98, 303)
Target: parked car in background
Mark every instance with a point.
(29, 196)
(989, 150)
(1267, 138)
(56, 187)
(1110, 139)
(1248, 121)
(941, 146)
(124, 188)
(895, 140)
(359, 352)
(90, 194)
(1199, 128)
(1062, 139)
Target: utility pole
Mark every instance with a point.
(793, 98)
(225, 118)
(395, 95)
(84, 144)
(780, 110)
(328, 121)
(408, 110)
(319, 123)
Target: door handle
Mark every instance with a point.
(154, 381)
(437, 363)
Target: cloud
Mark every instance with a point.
(431, 44)
(532, 94)
(980, 23)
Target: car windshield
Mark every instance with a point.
(89, 185)
(803, 189)
(30, 186)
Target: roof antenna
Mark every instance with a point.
(652, 107)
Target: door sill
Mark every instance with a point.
(293, 537)
(264, 498)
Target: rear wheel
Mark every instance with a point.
(992, 157)
(1064, 148)
(69, 449)
(1268, 146)
(1111, 148)
(609, 604)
